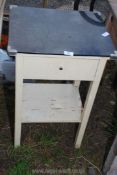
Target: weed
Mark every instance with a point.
(21, 168)
(21, 153)
(47, 140)
(46, 160)
(78, 153)
(59, 153)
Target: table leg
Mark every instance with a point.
(17, 136)
(89, 102)
(18, 101)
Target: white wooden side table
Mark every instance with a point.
(42, 41)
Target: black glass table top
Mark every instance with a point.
(51, 31)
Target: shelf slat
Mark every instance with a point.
(51, 103)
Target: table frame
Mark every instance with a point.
(94, 84)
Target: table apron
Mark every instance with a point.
(63, 68)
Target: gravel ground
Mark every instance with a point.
(101, 5)
(39, 3)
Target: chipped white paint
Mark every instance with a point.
(51, 103)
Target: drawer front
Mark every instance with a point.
(59, 68)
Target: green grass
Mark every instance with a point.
(21, 153)
(45, 152)
(50, 150)
(21, 168)
(47, 140)
(78, 153)
(59, 153)
(46, 160)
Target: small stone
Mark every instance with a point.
(112, 102)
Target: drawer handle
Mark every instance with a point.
(61, 68)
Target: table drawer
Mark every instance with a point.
(59, 68)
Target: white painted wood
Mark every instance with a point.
(58, 56)
(77, 83)
(18, 101)
(49, 67)
(54, 102)
(2, 4)
(89, 102)
(51, 103)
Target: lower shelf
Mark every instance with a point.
(51, 103)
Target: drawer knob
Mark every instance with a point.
(61, 68)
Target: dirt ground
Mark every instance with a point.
(51, 146)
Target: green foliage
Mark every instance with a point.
(47, 140)
(21, 168)
(59, 153)
(21, 153)
(46, 160)
(78, 153)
